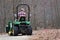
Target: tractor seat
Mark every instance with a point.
(22, 18)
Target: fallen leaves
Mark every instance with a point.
(46, 34)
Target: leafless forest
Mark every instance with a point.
(45, 13)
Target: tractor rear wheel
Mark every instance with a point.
(15, 31)
(29, 31)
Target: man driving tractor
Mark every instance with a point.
(22, 13)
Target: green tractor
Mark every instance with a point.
(21, 26)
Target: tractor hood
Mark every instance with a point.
(17, 22)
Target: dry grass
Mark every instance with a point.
(46, 34)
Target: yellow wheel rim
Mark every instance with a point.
(9, 33)
(13, 32)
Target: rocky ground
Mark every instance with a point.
(44, 34)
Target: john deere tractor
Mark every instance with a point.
(21, 26)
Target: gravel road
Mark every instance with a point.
(20, 37)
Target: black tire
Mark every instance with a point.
(23, 34)
(15, 31)
(29, 31)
